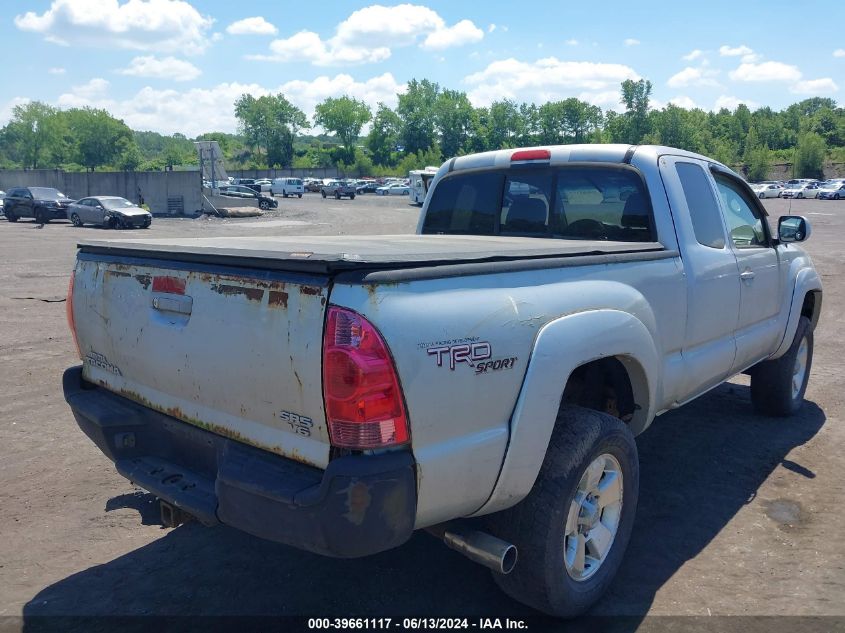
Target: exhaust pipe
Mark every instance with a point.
(480, 547)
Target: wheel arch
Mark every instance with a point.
(806, 301)
(610, 343)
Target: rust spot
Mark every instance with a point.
(117, 273)
(253, 294)
(310, 290)
(277, 299)
(145, 280)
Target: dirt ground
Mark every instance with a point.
(739, 514)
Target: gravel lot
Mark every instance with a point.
(739, 514)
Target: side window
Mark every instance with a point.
(744, 221)
(465, 204)
(704, 211)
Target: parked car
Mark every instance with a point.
(367, 186)
(484, 379)
(767, 190)
(41, 203)
(313, 185)
(800, 190)
(244, 192)
(2, 196)
(288, 187)
(395, 189)
(110, 211)
(338, 189)
(264, 184)
(835, 191)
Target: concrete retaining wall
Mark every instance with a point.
(166, 192)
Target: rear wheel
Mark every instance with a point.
(352, 196)
(41, 217)
(836, 196)
(761, 195)
(778, 386)
(337, 195)
(800, 195)
(573, 527)
(11, 217)
(284, 195)
(299, 195)
(324, 193)
(75, 219)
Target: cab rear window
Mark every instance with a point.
(577, 202)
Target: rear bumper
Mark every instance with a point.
(359, 505)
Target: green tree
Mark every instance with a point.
(455, 120)
(98, 138)
(809, 156)
(345, 117)
(33, 134)
(271, 122)
(384, 135)
(635, 97)
(416, 111)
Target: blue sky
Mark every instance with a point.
(178, 65)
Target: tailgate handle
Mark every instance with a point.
(181, 304)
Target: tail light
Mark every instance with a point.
(531, 154)
(364, 405)
(69, 310)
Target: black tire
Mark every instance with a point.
(337, 195)
(284, 195)
(536, 525)
(263, 205)
(41, 217)
(800, 195)
(352, 196)
(324, 193)
(836, 196)
(11, 217)
(75, 219)
(299, 195)
(771, 381)
(761, 195)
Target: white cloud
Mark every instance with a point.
(572, 42)
(607, 99)
(683, 101)
(766, 71)
(839, 52)
(164, 26)
(543, 80)
(693, 55)
(727, 51)
(161, 68)
(199, 110)
(631, 42)
(731, 103)
(368, 35)
(825, 85)
(491, 28)
(751, 58)
(690, 76)
(252, 26)
(58, 70)
(464, 32)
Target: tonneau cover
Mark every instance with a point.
(330, 254)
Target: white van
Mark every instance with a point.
(419, 181)
(287, 187)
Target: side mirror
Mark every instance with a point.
(793, 228)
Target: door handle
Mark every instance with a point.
(748, 275)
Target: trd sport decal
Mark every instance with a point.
(478, 355)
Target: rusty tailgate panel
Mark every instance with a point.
(235, 353)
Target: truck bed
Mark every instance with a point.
(334, 254)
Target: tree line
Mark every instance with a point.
(429, 124)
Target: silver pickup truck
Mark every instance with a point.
(483, 379)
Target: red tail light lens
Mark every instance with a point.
(69, 311)
(531, 154)
(364, 405)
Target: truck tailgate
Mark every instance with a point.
(234, 351)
